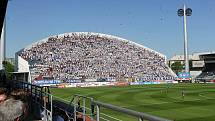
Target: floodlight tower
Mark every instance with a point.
(3, 8)
(2, 46)
(185, 12)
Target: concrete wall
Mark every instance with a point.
(22, 65)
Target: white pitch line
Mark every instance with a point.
(111, 117)
(104, 119)
(171, 102)
(107, 115)
(201, 95)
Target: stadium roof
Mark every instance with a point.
(208, 53)
(89, 33)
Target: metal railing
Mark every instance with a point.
(141, 116)
(96, 104)
(77, 105)
(80, 103)
(39, 98)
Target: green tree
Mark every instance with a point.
(177, 67)
(8, 69)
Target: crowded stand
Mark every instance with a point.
(206, 77)
(208, 72)
(94, 56)
(13, 105)
(21, 101)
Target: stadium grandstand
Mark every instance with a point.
(87, 56)
(208, 72)
(201, 66)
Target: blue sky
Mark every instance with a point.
(152, 23)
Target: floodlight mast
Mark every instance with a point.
(3, 45)
(3, 8)
(185, 12)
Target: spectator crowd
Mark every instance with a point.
(93, 55)
(13, 105)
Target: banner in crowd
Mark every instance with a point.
(78, 83)
(46, 82)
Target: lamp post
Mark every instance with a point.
(185, 12)
(2, 45)
(3, 9)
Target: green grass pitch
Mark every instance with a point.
(165, 100)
